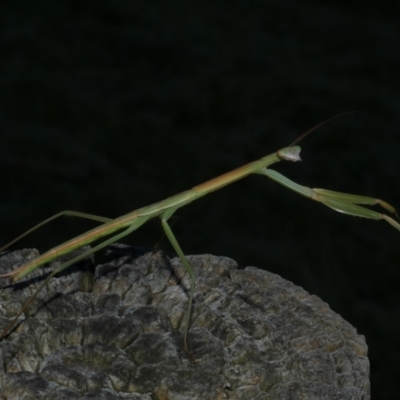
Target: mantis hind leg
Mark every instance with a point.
(171, 237)
(63, 266)
(66, 213)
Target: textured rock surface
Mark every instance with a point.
(254, 335)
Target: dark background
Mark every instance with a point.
(106, 107)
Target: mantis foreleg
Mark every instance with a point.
(341, 202)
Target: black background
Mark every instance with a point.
(106, 107)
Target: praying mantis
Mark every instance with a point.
(342, 202)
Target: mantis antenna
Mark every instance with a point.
(306, 133)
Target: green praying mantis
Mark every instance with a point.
(124, 225)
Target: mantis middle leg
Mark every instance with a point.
(171, 237)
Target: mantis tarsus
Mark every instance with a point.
(341, 202)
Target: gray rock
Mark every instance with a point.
(253, 335)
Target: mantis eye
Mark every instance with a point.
(290, 153)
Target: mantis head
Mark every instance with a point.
(291, 153)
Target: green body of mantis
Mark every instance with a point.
(341, 202)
